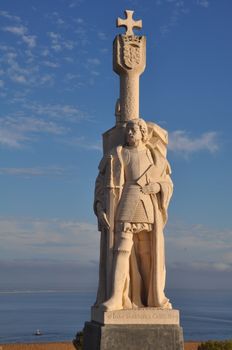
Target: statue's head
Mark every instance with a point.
(136, 131)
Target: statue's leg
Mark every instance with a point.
(144, 255)
(120, 270)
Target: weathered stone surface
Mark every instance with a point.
(138, 316)
(132, 195)
(132, 192)
(132, 337)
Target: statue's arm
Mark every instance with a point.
(99, 194)
(99, 199)
(166, 187)
(160, 181)
(151, 188)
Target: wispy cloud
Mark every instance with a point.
(56, 18)
(37, 238)
(81, 142)
(22, 32)
(17, 130)
(60, 44)
(75, 3)
(30, 275)
(57, 111)
(51, 64)
(93, 61)
(178, 8)
(102, 35)
(7, 15)
(35, 120)
(33, 67)
(203, 3)
(22, 71)
(189, 247)
(33, 172)
(198, 256)
(182, 143)
(92, 64)
(199, 245)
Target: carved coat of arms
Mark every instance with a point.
(131, 55)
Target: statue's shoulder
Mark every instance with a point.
(154, 130)
(114, 153)
(157, 138)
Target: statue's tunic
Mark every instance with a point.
(134, 205)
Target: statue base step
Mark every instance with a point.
(136, 337)
(146, 315)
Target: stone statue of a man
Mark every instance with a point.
(134, 188)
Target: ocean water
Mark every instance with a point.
(59, 315)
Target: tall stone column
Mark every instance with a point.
(129, 62)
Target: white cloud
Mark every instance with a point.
(71, 76)
(47, 79)
(79, 20)
(102, 35)
(58, 20)
(203, 266)
(18, 30)
(21, 31)
(81, 142)
(31, 172)
(6, 14)
(75, 3)
(18, 78)
(57, 111)
(177, 8)
(11, 139)
(94, 72)
(51, 64)
(199, 246)
(59, 239)
(58, 43)
(203, 3)
(34, 120)
(45, 52)
(93, 61)
(18, 70)
(227, 257)
(30, 40)
(181, 142)
(17, 130)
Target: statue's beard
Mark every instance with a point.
(131, 141)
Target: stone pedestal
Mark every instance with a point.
(141, 329)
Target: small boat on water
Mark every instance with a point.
(38, 332)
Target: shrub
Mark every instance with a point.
(78, 341)
(216, 345)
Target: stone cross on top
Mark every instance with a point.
(129, 23)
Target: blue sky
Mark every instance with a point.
(58, 93)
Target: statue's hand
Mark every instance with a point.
(151, 188)
(103, 220)
(102, 217)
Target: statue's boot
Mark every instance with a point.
(120, 273)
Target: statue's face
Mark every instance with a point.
(133, 134)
